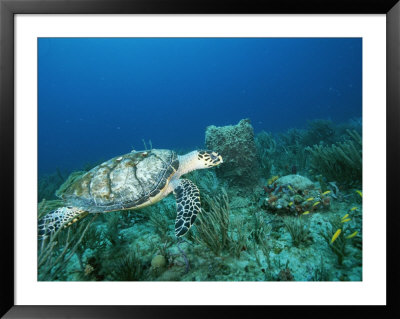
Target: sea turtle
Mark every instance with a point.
(133, 181)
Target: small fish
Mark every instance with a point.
(353, 208)
(326, 193)
(291, 203)
(352, 235)
(336, 235)
(345, 216)
(308, 199)
(345, 220)
(290, 187)
(359, 192)
(315, 204)
(306, 213)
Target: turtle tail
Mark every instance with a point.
(61, 217)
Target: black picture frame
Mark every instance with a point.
(8, 8)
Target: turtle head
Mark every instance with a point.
(209, 158)
(197, 160)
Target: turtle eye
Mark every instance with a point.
(210, 158)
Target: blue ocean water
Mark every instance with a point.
(99, 97)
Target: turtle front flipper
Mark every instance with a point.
(61, 217)
(187, 205)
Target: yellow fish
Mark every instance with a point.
(290, 187)
(291, 203)
(336, 235)
(345, 216)
(359, 192)
(308, 199)
(272, 180)
(352, 235)
(345, 220)
(354, 208)
(315, 204)
(325, 193)
(306, 213)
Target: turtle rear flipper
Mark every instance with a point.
(61, 217)
(187, 205)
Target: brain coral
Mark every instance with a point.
(297, 181)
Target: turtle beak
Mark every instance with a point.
(216, 158)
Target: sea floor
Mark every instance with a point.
(274, 258)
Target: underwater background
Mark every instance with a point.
(284, 113)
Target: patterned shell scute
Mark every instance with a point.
(123, 182)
